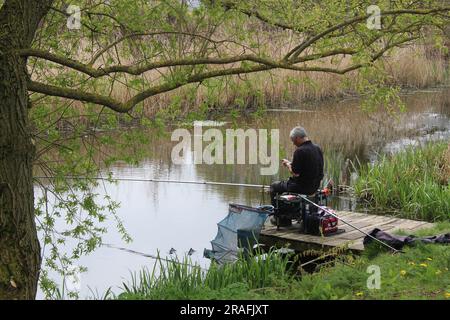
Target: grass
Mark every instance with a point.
(421, 272)
(182, 280)
(418, 273)
(415, 183)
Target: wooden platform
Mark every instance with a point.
(351, 238)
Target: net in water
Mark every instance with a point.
(239, 229)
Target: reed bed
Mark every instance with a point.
(414, 183)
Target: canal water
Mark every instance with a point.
(164, 216)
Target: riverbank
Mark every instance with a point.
(420, 272)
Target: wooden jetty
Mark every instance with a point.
(351, 238)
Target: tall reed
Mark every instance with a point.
(179, 279)
(410, 183)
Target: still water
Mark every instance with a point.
(162, 216)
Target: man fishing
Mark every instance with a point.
(306, 167)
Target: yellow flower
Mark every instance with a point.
(359, 294)
(411, 263)
(438, 272)
(423, 265)
(403, 272)
(429, 259)
(447, 295)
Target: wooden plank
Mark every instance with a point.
(354, 234)
(368, 220)
(423, 225)
(306, 238)
(406, 225)
(351, 238)
(303, 238)
(351, 244)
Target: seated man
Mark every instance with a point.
(306, 167)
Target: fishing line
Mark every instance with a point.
(263, 187)
(146, 255)
(151, 256)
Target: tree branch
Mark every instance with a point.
(290, 58)
(228, 5)
(136, 35)
(75, 94)
(295, 52)
(138, 70)
(92, 29)
(198, 78)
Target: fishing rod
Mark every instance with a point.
(213, 183)
(261, 186)
(348, 223)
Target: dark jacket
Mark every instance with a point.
(308, 164)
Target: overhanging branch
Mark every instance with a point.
(197, 78)
(140, 69)
(296, 51)
(76, 95)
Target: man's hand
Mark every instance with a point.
(286, 163)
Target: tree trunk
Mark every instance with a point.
(20, 257)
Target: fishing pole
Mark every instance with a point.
(225, 184)
(349, 224)
(245, 185)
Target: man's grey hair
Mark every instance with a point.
(299, 132)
